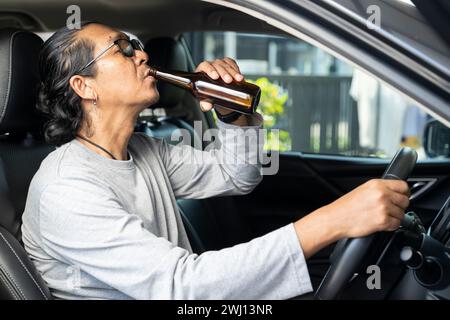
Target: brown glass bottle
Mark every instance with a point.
(238, 96)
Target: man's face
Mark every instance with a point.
(120, 80)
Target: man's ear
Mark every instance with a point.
(82, 87)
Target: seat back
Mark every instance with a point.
(19, 279)
(167, 53)
(171, 129)
(22, 148)
(19, 161)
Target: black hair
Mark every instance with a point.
(61, 57)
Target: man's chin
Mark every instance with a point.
(153, 100)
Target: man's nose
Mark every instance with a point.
(140, 57)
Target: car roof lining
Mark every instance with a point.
(139, 17)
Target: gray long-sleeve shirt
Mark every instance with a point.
(98, 228)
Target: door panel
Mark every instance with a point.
(306, 182)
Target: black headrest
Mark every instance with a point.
(168, 54)
(19, 51)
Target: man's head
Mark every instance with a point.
(94, 69)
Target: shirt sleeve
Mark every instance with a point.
(230, 166)
(83, 225)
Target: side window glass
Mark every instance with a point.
(320, 104)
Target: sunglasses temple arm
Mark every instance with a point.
(98, 56)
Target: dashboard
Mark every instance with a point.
(428, 262)
(440, 228)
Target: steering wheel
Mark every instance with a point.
(349, 254)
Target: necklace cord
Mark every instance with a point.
(96, 145)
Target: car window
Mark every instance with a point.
(318, 103)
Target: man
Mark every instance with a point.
(101, 220)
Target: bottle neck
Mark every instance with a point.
(173, 78)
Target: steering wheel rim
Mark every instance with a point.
(349, 254)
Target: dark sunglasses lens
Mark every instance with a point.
(126, 48)
(137, 45)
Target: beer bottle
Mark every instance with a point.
(238, 96)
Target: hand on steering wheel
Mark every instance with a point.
(349, 254)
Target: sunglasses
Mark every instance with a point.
(126, 47)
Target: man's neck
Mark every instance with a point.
(110, 131)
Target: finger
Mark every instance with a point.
(223, 72)
(396, 212)
(400, 200)
(398, 186)
(393, 224)
(233, 72)
(205, 106)
(207, 67)
(238, 76)
(232, 63)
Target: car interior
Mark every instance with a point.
(303, 183)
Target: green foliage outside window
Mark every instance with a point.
(272, 108)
